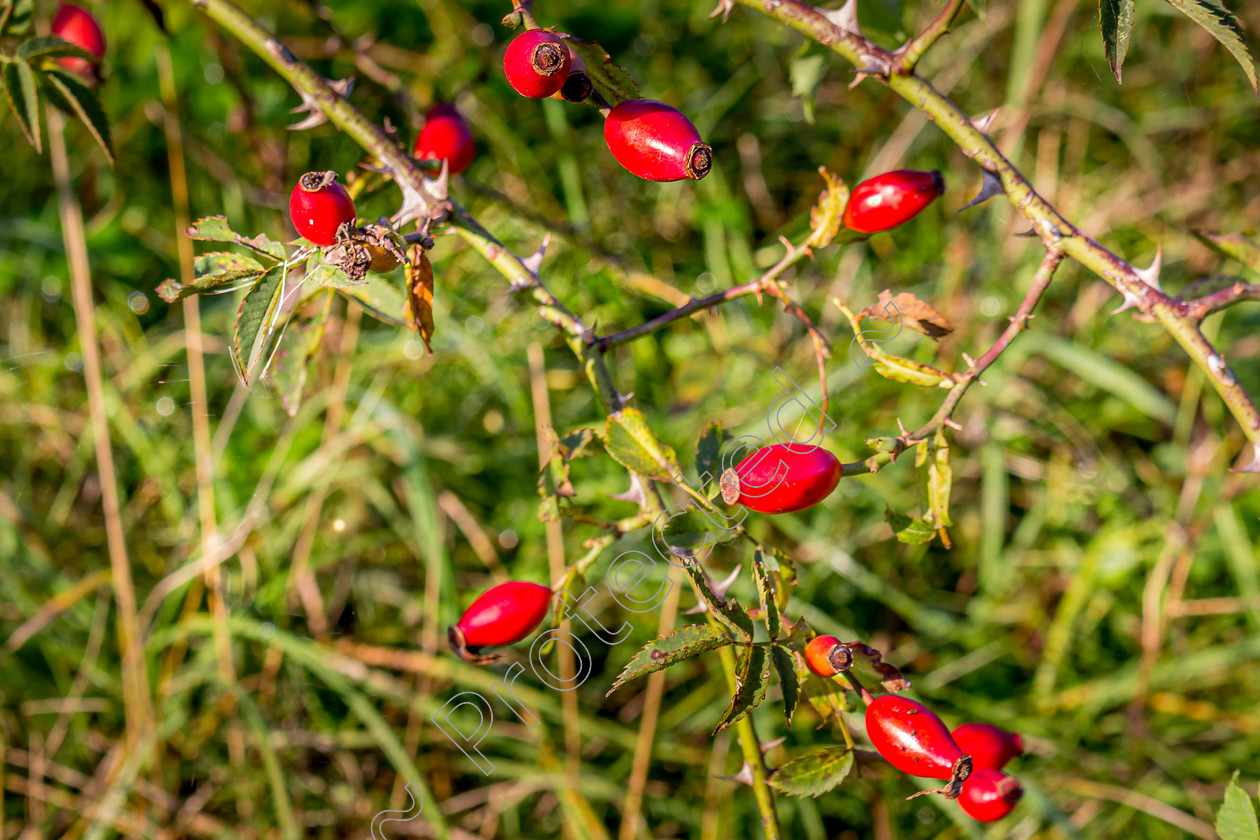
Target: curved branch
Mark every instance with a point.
(1200, 308)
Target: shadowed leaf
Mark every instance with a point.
(752, 679)
(786, 669)
(83, 104)
(1116, 19)
(728, 611)
(610, 81)
(301, 339)
(23, 98)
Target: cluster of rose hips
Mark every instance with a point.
(650, 139)
(913, 739)
(75, 24)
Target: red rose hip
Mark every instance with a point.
(319, 206)
(446, 136)
(536, 63)
(989, 746)
(989, 795)
(782, 478)
(915, 741)
(502, 615)
(888, 200)
(76, 25)
(826, 657)
(656, 142)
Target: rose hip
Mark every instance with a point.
(989, 795)
(888, 200)
(76, 25)
(319, 206)
(446, 136)
(782, 478)
(915, 741)
(536, 63)
(826, 657)
(656, 142)
(502, 615)
(989, 746)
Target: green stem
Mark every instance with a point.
(750, 745)
(1057, 232)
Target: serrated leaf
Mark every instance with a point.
(256, 323)
(1236, 819)
(609, 80)
(786, 669)
(419, 275)
(380, 297)
(553, 480)
(632, 443)
(217, 229)
(708, 451)
(1116, 21)
(301, 339)
(84, 104)
(23, 98)
(1232, 246)
(869, 666)
(751, 680)
(765, 591)
(910, 530)
(1222, 25)
(907, 309)
(813, 774)
(212, 271)
(37, 49)
(727, 611)
(826, 217)
(683, 644)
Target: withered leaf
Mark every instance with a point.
(911, 311)
(420, 295)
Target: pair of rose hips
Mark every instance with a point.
(650, 139)
(502, 615)
(913, 739)
(75, 24)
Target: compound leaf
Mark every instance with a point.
(679, 646)
(813, 774)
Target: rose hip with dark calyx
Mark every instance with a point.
(989, 795)
(782, 478)
(990, 747)
(577, 87)
(502, 615)
(888, 200)
(75, 24)
(915, 741)
(826, 656)
(536, 63)
(446, 136)
(656, 142)
(319, 206)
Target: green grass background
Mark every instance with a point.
(1092, 502)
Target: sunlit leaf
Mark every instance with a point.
(1222, 25)
(679, 646)
(632, 443)
(217, 229)
(1236, 819)
(813, 774)
(256, 323)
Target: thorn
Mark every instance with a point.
(1131, 301)
(701, 607)
(724, 8)
(745, 775)
(787, 243)
(438, 187)
(769, 745)
(902, 428)
(634, 494)
(720, 589)
(989, 187)
(985, 121)
(845, 17)
(1030, 232)
(1150, 274)
(534, 261)
(873, 67)
(1254, 466)
(414, 205)
(953, 424)
(970, 361)
(314, 116)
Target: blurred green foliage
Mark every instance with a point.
(1092, 504)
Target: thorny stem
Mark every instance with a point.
(1200, 308)
(909, 55)
(1056, 231)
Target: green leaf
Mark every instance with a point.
(869, 666)
(23, 97)
(786, 669)
(301, 339)
(212, 271)
(806, 74)
(632, 443)
(1223, 26)
(765, 591)
(709, 450)
(813, 774)
(51, 47)
(1236, 820)
(609, 80)
(894, 367)
(217, 229)
(1232, 246)
(909, 530)
(256, 323)
(83, 104)
(15, 17)
(690, 535)
(679, 646)
(935, 480)
(728, 612)
(380, 297)
(1116, 20)
(751, 679)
